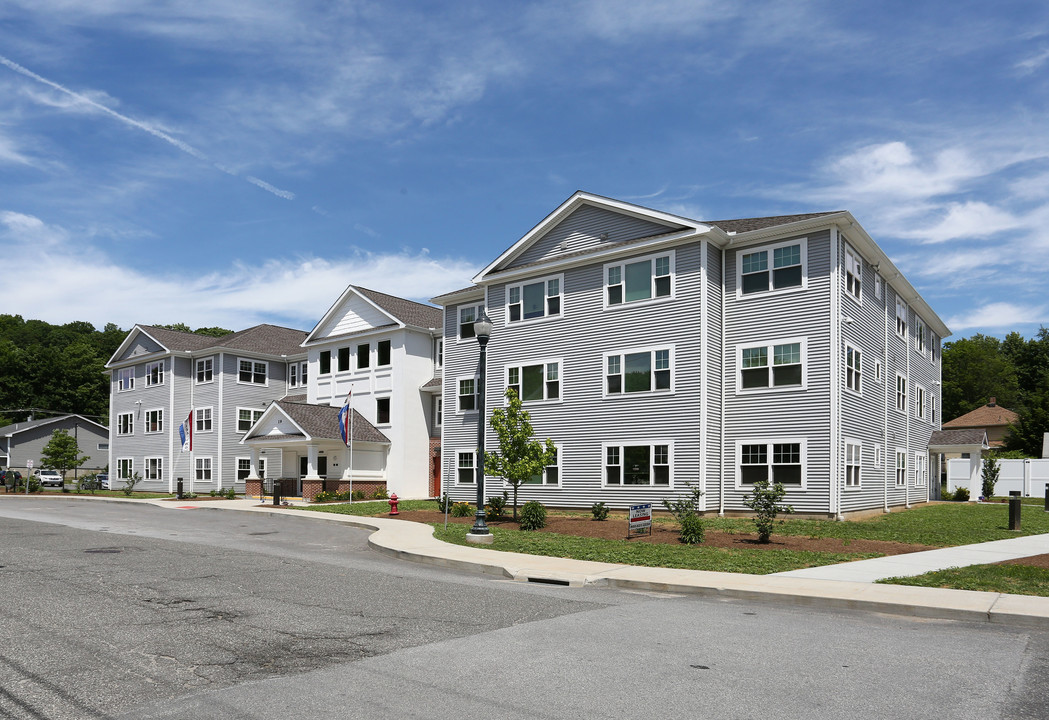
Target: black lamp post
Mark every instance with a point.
(483, 331)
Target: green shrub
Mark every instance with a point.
(324, 496)
(599, 511)
(231, 494)
(444, 504)
(212, 493)
(691, 532)
(764, 501)
(946, 495)
(380, 493)
(130, 483)
(358, 495)
(681, 508)
(462, 509)
(961, 495)
(990, 474)
(496, 505)
(533, 515)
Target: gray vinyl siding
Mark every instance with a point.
(584, 419)
(583, 230)
(141, 445)
(787, 414)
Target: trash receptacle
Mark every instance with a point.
(276, 492)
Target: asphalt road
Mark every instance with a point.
(121, 611)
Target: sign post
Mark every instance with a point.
(29, 474)
(640, 520)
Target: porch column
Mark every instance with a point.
(311, 462)
(253, 467)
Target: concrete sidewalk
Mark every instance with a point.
(836, 586)
(415, 542)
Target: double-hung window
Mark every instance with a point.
(205, 370)
(203, 469)
(154, 468)
(901, 318)
(919, 402)
(776, 267)
(343, 358)
(467, 394)
(382, 353)
(919, 335)
(252, 372)
(125, 468)
(297, 374)
(535, 382)
(202, 419)
(246, 417)
(154, 421)
(551, 474)
(853, 463)
(126, 424)
(777, 462)
(467, 317)
(324, 363)
(640, 279)
(921, 468)
(364, 356)
(382, 411)
(878, 286)
(155, 373)
(244, 468)
(901, 467)
(637, 464)
(466, 467)
(853, 273)
(901, 393)
(773, 365)
(538, 299)
(853, 369)
(125, 379)
(639, 371)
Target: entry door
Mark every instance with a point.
(322, 466)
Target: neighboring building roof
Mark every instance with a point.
(433, 385)
(295, 398)
(407, 311)
(9, 430)
(989, 415)
(747, 224)
(262, 339)
(972, 436)
(322, 421)
(469, 291)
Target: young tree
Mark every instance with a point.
(765, 504)
(61, 453)
(990, 475)
(520, 458)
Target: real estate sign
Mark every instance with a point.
(640, 519)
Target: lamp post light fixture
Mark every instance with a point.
(480, 533)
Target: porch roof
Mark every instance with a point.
(968, 440)
(321, 422)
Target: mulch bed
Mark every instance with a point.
(616, 529)
(1039, 561)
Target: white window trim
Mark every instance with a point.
(438, 353)
(128, 374)
(385, 365)
(920, 332)
(920, 399)
(905, 324)
(330, 372)
(877, 455)
(621, 264)
(769, 442)
(544, 483)
(879, 372)
(857, 259)
(438, 411)
(546, 315)
(160, 468)
(145, 422)
(131, 424)
(858, 370)
(236, 418)
(900, 452)
(455, 466)
(478, 310)
(131, 468)
(299, 370)
(149, 368)
(211, 468)
(477, 398)
(896, 394)
(549, 361)
(651, 443)
(804, 342)
(236, 467)
(921, 469)
(770, 249)
(253, 361)
(196, 417)
(858, 445)
(651, 349)
(196, 371)
(389, 400)
(879, 286)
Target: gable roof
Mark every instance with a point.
(401, 312)
(320, 422)
(982, 417)
(955, 438)
(262, 339)
(742, 225)
(15, 428)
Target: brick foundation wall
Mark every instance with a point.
(310, 488)
(435, 467)
(253, 488)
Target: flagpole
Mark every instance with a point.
(349, 439)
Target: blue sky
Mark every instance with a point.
(222, 162)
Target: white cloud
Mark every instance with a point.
(1033, 62)
(286, 291)
(973, 219)
(1000, 315)
(892, 171)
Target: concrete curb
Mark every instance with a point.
(415, 542)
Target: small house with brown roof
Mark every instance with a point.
(991, 418)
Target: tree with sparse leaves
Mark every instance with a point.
(61, 453)
(520, 458)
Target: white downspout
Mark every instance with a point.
(704, 329)
(885, 403)
(724, 385)
(834, 501)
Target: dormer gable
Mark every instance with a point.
(275, 424)
(138, 343)
(352, 313)
(587, 223)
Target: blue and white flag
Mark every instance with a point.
(344, 419)
(185, 433)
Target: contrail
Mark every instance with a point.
(184, 147)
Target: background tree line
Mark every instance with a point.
(1014, 370)
(60, 367)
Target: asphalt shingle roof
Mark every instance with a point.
(407, 311)
(741, 225)
(322, 421)
(982, 417)
(265, 339)
(957, 437)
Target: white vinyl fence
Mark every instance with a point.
(1029, 477)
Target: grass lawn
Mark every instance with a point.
(1015, 579)
(111, 493)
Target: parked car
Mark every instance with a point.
(10, 478)
(50, 477)
(102, 480)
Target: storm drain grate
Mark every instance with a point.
(548, 581)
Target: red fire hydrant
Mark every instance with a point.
(393, 504)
